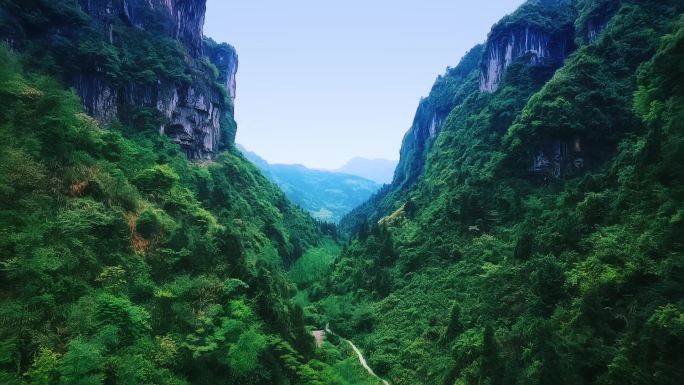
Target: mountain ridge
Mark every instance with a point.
(510, 248)
(326, 195)
(138, 246)
(379, 170)
(531, 234)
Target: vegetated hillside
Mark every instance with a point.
(540, 240)
(378, 170)
(326, 195)
(144, 63)
(448, 91)
(121, 261)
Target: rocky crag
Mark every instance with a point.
(184, 89)
(515, 39)
(539, 36)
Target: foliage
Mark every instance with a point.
(504, 276)
(124, 263)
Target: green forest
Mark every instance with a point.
(536, 239)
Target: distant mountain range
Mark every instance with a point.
(378, 170)
(327, 195)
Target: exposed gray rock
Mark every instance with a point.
(596, 16)
(515, 39)
(446, 93)
(427, 124)
(192, 114)
(556, 158)
(182, 20)
(225, 58)
(534, 46)
(595, 26)
(98, 95)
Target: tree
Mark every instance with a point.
(491, 368)
(410, 208)
(43, 370)
(243, 356)
(82, 364)
(523, 247)
(455, 326)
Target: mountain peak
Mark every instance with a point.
(327, 195)
(377, 169)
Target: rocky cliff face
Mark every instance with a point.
(516, 39)
(595, 27)
(115, 64)
(528, 43)
(539, 35)
(182, 20)
(191, 113)
(594, 18)
(557, 158)
(447, 92)
(225, 58)
(426, 125)
(99, 96)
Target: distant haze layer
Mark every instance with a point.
(326, 195)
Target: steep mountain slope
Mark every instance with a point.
(540, 34)
(326, 195)
(532, 236)
(142, 62)
(532, 233)
(121, 261)
(378, 170)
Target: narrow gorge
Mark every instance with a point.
(531, 233)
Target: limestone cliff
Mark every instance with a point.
(226, 60)
(142, 62)
(536, 47)
(517, 38)
(182, 20)
(191, 112)
(539, 35)
(447, 92)
(595, 16)
(527, 36)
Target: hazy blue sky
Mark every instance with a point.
(323, 81)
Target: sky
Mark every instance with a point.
(323, 81)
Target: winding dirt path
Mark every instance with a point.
(362, 360)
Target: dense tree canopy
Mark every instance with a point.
(504, 274)
(121, 262)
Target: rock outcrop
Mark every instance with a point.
(99, 96)
(182, 20)
(225, 58)
(516, 39)
(527, 36)
(533, 41)
(528, 43)
(595, 27)
(556, 158)
(446, 93)
(142, 62)
(191, 113)
(595, 18)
